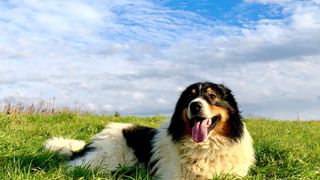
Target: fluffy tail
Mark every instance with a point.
(63, 146)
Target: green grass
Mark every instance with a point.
(288, 150)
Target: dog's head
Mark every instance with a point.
(203, 110)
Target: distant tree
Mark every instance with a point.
(117, 114)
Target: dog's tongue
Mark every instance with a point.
(200, 130)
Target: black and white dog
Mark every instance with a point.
(204, 138)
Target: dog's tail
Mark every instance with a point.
(63, 146)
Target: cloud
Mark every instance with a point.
(137, 57)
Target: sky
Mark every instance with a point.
(136, 57)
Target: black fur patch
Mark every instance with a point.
(83, 151)
(139, 138)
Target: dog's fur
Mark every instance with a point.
(204, 138)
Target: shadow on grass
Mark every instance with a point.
(129, 173)
(51, 162)
(33, 162)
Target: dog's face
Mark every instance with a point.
(203, 110)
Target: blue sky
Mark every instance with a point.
(136, 57)
(233, 12)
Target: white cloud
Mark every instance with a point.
(137, 57)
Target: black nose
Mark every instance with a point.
(195, 107)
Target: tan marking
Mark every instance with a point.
(193, 91)
(211, 91)
(222, 127)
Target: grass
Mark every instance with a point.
(284, 150)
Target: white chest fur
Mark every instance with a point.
(190, 160)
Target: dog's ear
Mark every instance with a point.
(177, 126)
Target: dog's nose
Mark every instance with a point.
(195, 107)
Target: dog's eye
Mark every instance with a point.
(212, 96)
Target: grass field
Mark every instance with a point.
(284, 150)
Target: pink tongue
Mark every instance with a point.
(200, 131)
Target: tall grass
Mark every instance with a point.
(40, 107)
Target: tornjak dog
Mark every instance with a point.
(205, 137)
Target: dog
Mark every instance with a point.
(204, 138)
